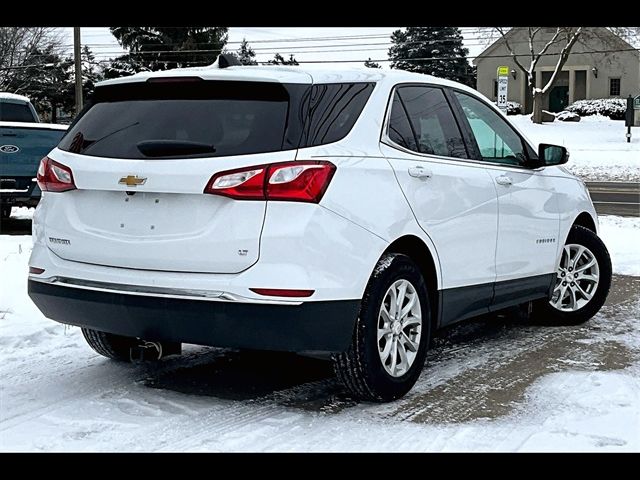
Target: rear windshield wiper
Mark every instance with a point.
(168, 148)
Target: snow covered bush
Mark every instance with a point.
(513, 108)
(565, 116)
(614, 108)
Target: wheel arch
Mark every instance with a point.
(416, 249)
(587, 221)
(583, 219)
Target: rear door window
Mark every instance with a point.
(399, 128)
(188, 119)
(432, 121)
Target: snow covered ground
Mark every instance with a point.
(491, 385)
(597, 145)
(622, 236)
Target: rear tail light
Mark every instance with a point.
(54, 177)
(245, 184)
(299, 181)
(36, 270)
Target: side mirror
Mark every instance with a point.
(549, 155)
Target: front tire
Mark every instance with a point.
(391, 335)
(583, 279)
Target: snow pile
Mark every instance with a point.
(568, 117)
(597, 146)
(622, 237)
(22, 213)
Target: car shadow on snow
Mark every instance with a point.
(478, 369)
(238, 374)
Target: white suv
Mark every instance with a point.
(338, 213)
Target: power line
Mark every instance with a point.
(468, 42)
(268, 50)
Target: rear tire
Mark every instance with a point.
(118, 347)
(389, 347)
(580, 289)
(5, 212)
(115, 347)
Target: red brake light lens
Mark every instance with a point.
(54, 177)
(302, 181)
(298, 181)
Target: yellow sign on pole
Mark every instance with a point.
(503, 71)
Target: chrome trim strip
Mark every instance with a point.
(146, 291)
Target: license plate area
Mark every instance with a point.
(145, 214)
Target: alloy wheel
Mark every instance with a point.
(399, 328)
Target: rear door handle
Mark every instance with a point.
(504, 180)
(420, 172)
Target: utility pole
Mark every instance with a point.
(77, 55)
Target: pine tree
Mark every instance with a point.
(162, 48)
(245, 54)
(437, 51)
(43, 78)
(371, 64)
(90, 76)
(123, 66)
(279, 60)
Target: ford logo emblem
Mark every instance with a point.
(9, 149)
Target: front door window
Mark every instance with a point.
(497, 141)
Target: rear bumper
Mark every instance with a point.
(321, 326)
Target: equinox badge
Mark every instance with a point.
(132, 180)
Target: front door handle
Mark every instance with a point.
(420, 172)
(504, 180)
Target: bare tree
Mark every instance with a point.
(21, 46)
(629, 34)
(562, 41)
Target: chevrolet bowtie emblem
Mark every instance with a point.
(132, 180)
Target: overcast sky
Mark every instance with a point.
(321, 43)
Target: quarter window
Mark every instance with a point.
(432, 123)
(334, 109)
(497, 141)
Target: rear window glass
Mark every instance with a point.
(15, 112)
(334, 109)
(188, 119)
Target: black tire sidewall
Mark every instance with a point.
(386, 386)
